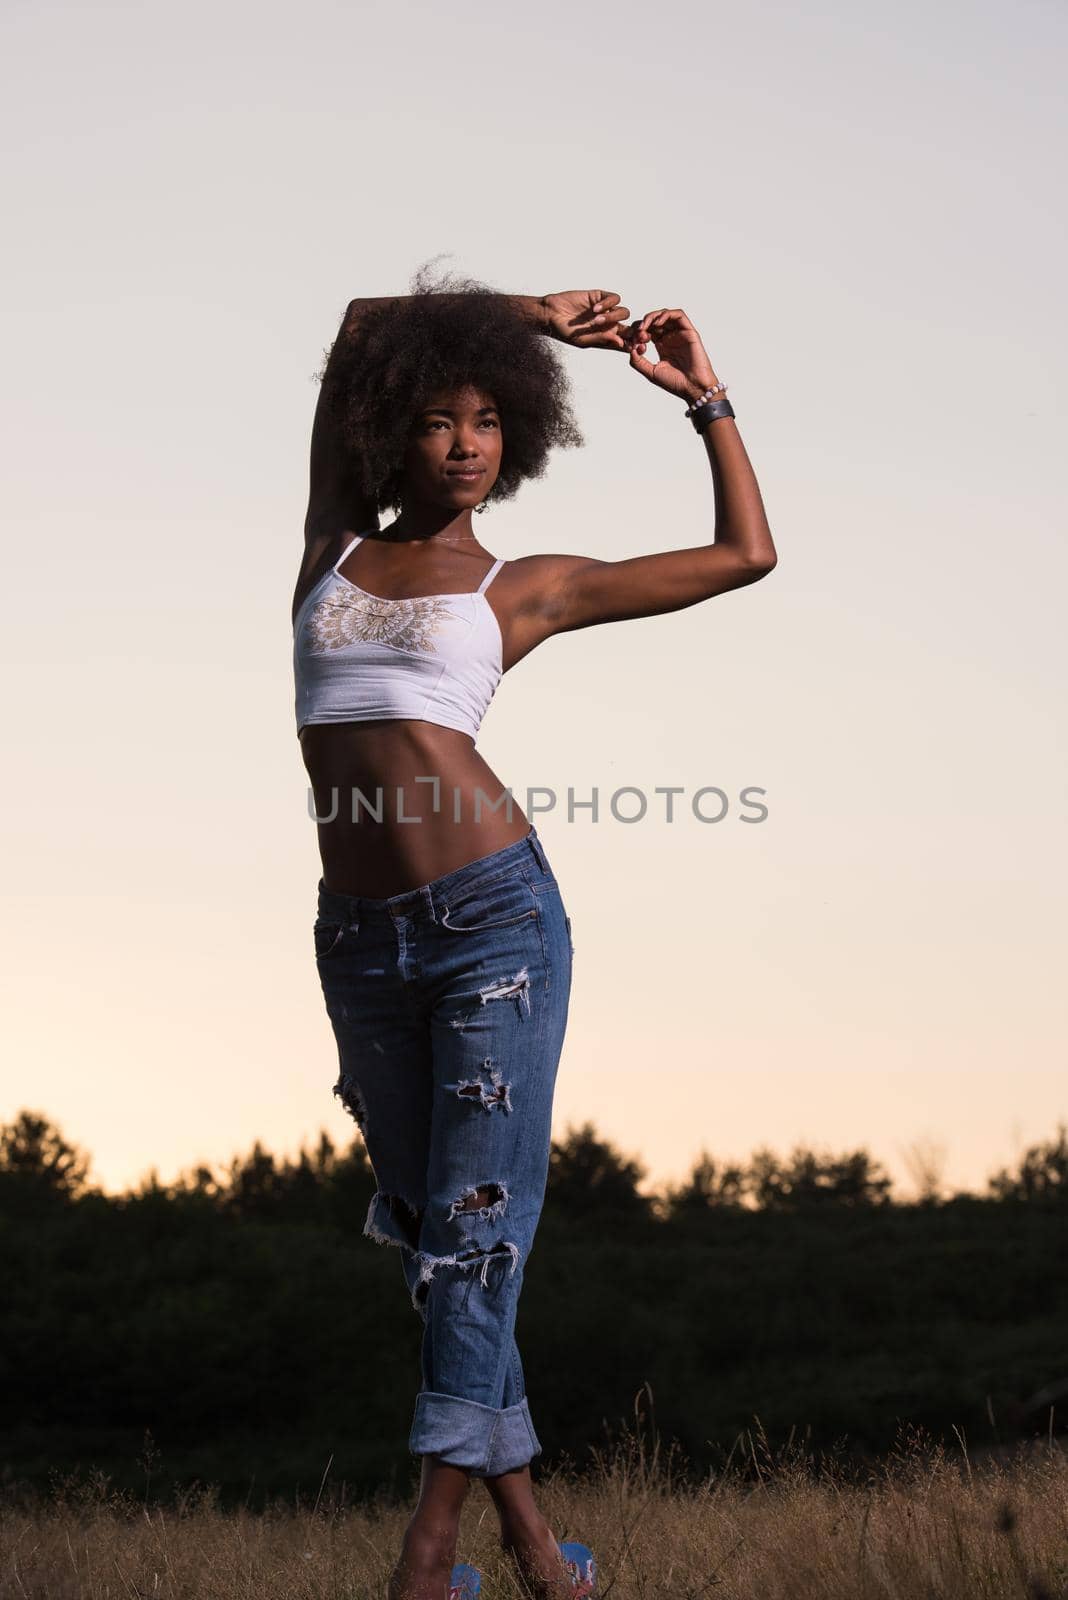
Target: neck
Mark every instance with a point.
(425, 521)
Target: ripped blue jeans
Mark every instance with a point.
(449, 1006)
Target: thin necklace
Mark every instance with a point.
(467, 538)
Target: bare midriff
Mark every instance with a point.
(362, 771)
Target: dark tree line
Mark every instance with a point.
(587, 1175)
(238, 1316)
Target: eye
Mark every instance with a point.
(439, 422)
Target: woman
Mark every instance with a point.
(442, 942)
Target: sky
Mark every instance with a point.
(856, 206)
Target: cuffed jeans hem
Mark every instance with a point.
(462, 1433)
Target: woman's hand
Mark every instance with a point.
(682, 366)
(586, 317)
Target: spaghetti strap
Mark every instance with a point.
(490, 575)
(347, 550)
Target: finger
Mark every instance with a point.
(638, 361)
(672, 319)
(607, 339)
(613, 316)
(614, 333)
(600, 322)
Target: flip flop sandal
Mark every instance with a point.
(581, 1565)
(465, 1582)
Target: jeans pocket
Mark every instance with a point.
(328, 936)
(480, 907)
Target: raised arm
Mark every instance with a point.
(333, 494)
(564, 592)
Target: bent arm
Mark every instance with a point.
(336, 502)
(531, 306)
(741, 525)
(567, 592)
(330, 475)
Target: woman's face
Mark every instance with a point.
(454, 450)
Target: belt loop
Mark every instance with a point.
(539, 854)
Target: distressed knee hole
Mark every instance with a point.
(487, 1092)
(486, 1201)
(474, 1257)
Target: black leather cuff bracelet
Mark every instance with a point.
(710, 412)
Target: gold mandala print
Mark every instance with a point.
(346, 615)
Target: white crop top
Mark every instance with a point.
(358, 657)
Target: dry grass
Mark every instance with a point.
(924, 1524)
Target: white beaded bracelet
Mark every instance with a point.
(709, 394)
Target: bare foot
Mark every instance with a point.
(532, 1546)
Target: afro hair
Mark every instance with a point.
(384, 367)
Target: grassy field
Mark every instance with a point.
(925, 1523)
